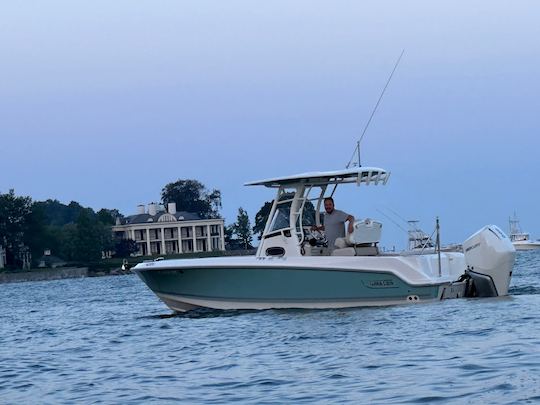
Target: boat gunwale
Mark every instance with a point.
(441, 281)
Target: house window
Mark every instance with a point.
(170, 247)
(142, 249)
(216, 244)
(155, 248)
(202, 245)
(169, 233)
(200, 231)
(186, 232)
(187, 245)
(140, 234)
(214, 230)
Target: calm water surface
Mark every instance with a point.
(110, 340)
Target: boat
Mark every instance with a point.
(521, 240)
(294, 268)
(417, 238)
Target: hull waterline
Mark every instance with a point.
(180, 303)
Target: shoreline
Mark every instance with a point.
(59, 274)
(99, 269)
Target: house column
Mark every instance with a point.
(194, 237)
(222, 232)
(148, 251)
(208, 241)
(179, 240)
(163, 250)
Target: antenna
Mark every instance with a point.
(357, 149)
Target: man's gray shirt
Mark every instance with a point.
(334, 226)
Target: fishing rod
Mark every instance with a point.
(392, 220)
(396, 214)
(357, 149)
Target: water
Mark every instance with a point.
(110, 340)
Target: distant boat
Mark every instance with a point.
(521, 240)
(419, 241)
(417, 238)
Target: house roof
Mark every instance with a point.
(159, 217)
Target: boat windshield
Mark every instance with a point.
(281, 217)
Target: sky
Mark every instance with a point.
(104, 103)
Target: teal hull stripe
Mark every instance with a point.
(282, 284)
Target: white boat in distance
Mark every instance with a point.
(294, 269)
(521, 240)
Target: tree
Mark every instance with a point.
(67, 238)
(242, 228)
(192, 196)
(229, 232)
(36, 236)
(108, 217)
(70, 231)
(55, 239)
(261, 218)
(125, 247)
(91, 237)
(308, 214)
(14, 215)
(57, 214)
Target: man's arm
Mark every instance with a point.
(350, 219)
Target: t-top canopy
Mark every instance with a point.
(358, 175)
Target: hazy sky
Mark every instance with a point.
(105, 102)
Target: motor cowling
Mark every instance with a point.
(490, 255)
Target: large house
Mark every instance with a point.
(160, 232)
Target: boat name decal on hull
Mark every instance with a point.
(381, 284)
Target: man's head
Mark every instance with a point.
(329, 205)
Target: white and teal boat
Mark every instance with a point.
(294, 269)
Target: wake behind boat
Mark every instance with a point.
(294, 268)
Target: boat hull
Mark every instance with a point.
(526, 245)
(258, 287)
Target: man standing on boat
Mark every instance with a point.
(334, 222)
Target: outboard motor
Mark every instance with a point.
(489, 256)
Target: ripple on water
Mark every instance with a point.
(120, 344)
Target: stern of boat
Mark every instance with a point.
(490, 255)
